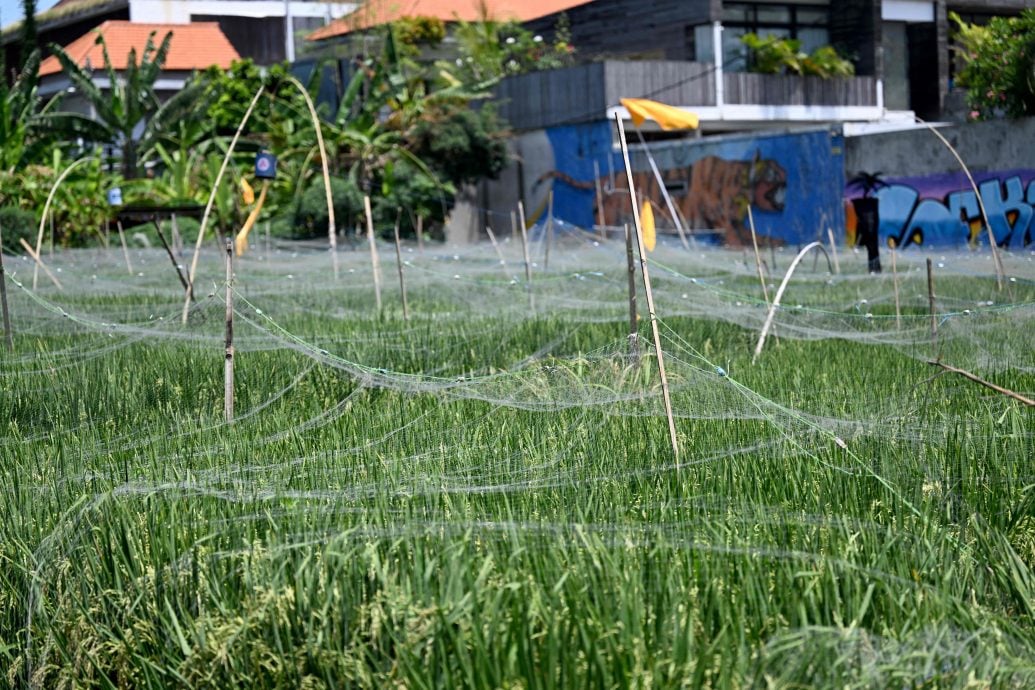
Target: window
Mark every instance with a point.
(806, 23)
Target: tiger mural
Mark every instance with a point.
(713, 193)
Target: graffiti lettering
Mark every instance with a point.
(910, 216)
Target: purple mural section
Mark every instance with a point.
(944, 210)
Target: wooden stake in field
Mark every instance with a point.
(177, 238)
(192, 273)
(513, 227)
(399, 264)
(172, 257)
(930, 302)
(528, 261)
(39, 262)
(894, 283)
(125, 249)
(647, 290)
(758, 257)
(228, 366)
(375, 261)
(600, 200)
(548, 231)
(779, 293)
(634, 328)
(8, 335)
(499, 252)
(833, 251)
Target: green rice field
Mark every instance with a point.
(485, 495)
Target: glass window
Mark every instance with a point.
(774, 14)
(737, 13)
(813, 38)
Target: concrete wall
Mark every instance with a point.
(994, 145)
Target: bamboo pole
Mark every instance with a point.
(997, 260)
(46, 209)
(375, 261)
(499, 252)
(332, 233)
(647, 290)
(125, 249)
(833, 251)
(987, 384)
(399, 264)
(930, 302)
(758, 257)
(634, 328)
(39, 262)
(169, 251)
(176, 237)
(8, 334)
(894, 282)
(528, 261)
(513, 227)
(228, 366)
(600, 200)
(192, 273)
(664, 190)
(779, 293)
(548, 231)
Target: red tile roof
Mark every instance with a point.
(193, 46)
(377, 12)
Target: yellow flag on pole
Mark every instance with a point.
(247, 193)
(667, 116)
(650, 238)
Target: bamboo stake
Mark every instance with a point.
(997, 260)
(125, 249)
(894, 282)
(975, 379)
(8, 334)
(513, 227)
(528, 261)
(634, 328)
(399, 264)
(332, 233)
(39, 262)
(758, 257)
(779, 293)
(420, 235)
(177, 237)
(647, 290)
(930, 302)
(46, 210)
(499, 252)
(192, 273)
(172, 257)
(600, 200)
(228, 366)
(833, 250)
(548, 231)
(375, 262)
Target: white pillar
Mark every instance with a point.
(289, 33)
(720, 81)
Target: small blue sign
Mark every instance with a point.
(115, 196)
(265, 165)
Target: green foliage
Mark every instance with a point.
(998, 65)
(490, 50)
(460, 143)
(310, 219)
(420, 31)
(17, 223)
(775, 55)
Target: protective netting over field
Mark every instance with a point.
(492, 478)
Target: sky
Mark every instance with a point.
(11, 10)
